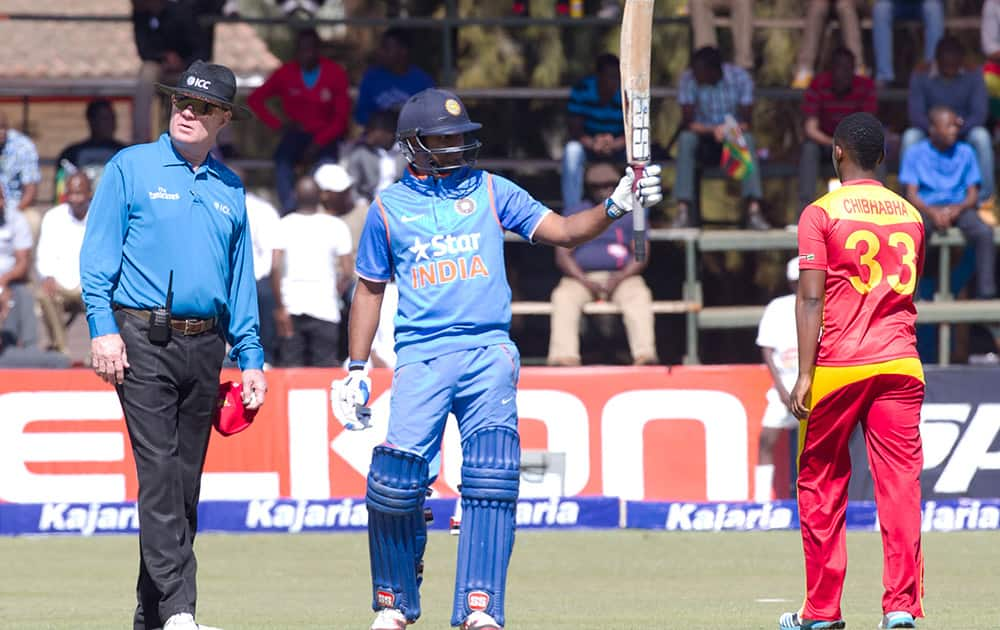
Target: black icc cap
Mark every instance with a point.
(434, 112)
(209, 82)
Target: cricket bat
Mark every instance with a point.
(636, 43)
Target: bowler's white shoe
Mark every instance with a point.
(389, 619)
(184, 621)
(480, 621)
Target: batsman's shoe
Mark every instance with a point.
(791, 621)
(480, 621)
(185, 621)
(897, 619)
(389, 619)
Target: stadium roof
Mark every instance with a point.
(60, 52)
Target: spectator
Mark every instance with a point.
(315, 111)
(831, 96)
(392, 79)
(816, 21)
(779, 348)
(57, 260)
(596, 130)
(709, 91)
(990, 35)
(14, 354)
(601, 269)
(19, 175)
(741, 17)
(962, 91)
(264, 222)
(374, 162)
(21, 325)
(168, 38)
(311, 268)
(884, 15)
(90, 155)
(941, 178)
(338, 199)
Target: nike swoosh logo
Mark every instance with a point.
(410, 218)
(506, 400)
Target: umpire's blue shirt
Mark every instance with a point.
(152, 214)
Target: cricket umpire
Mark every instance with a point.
(167, 275)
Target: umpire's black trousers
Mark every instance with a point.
(169, 395)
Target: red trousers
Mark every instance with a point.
(885, 398)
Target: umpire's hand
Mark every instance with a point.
(254, 388)
(108, 357)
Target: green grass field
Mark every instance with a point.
(575, 581)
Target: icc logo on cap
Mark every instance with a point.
(453, 107)
(199, 83)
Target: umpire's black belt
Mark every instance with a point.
(189, 326)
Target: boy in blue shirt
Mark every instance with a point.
(439, 233)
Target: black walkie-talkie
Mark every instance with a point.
(159, 318)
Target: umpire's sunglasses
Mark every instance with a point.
(199, 107)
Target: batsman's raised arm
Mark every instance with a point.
(581, 227)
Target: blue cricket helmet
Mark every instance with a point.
(435, 112)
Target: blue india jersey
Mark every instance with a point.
(442, 241)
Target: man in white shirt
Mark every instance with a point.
(778, 343)
(337, 196)
(57, 260)
(20, 327)
(264, 222)
(312, 266)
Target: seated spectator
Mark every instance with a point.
(311, 268)
(13, 353)
(963, 92)
(315, 111)
(941, 178)
(264, 222)
(374, 162)
(57, 260)
(90, 155)
(831, 96)
(19, 174)
(21, 325)
(990, 36)
(602, 269)
(338, 199)
(168, 39)
(596, 130)
(709, 92)
(741, 16)
(816, 20)
(885, 13)
(392, 79)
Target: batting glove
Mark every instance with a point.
(349, 400)
(647, 191)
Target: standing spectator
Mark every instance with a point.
(19, 175)
(337, 198)
(602, 269)
(374, 162)
(264, 222)
(885, 13)
(168, 38)
(779, 350)
(709, 91)
(311, 269)
(169, 210)
(963, 92)
(816, 20)
(21, 325)
(392, 79)
(90, 155)
(741, 17)
(990, 36)
(831, 96)
(57, 260)
(596, 130)
(315, 111)
(941, 178)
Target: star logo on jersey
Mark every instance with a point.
(420, 249)
(465, 207)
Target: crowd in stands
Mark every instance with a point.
(333, 157)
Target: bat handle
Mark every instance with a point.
(638, 216)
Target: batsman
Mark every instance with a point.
(439, 232)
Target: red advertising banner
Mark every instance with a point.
(682, 433)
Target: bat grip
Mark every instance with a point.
(638, 216)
